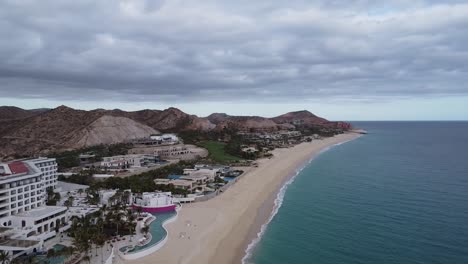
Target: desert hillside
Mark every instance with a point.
(35, 132)
(110, 130)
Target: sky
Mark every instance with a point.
(341, 59)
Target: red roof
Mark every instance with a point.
(18, 167)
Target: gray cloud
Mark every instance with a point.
(221, 50)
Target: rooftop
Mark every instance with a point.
(203, 172)
(68, 187)
(194, 177)
(181, 182)
(18, 167)
(42, 211)
(18, 243)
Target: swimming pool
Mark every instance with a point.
(42, 259)
(174, 177)
(157, 231)
(229, 178)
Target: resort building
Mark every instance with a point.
(209, 173)
(164, 139)
(172, 152)
(123, 162)
(249, 150)
(153, 202)
(181, 184)
(25, 221)
(87, 158)
(196, 179)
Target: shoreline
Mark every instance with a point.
(219, 230)
(274, 203)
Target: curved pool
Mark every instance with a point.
(157, 231)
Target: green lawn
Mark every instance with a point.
(217, 153)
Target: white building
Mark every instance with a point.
(25, 220)
(209, 173)
(126, 161)
(166, 138)
(172, 152)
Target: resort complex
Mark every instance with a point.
(111, 202)
(31, 226)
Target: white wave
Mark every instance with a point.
(278, 202)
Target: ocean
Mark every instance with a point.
(396, 195)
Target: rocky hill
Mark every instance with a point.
(12, 112)
(217, 118)
(248, 124)
(34, 132)
(110, 130)
(24, 134)
(300, 117)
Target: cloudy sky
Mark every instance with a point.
(342, 59)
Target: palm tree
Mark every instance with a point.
(31, 260)
(69, 202)
(87, 258)
(100, 241)
(51, 253)
(145, 230)
(114, 216)
(139, 211)
(126, 197)
(130, 219)
(100, 225)
(5, 257)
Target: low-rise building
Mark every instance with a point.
(87, 158)
(172, 152)
(164, 139)
(177, 183)
(123, 162)
(196, 179)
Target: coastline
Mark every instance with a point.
(220, 230)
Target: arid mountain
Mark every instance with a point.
(248, 123)
(110, 130)
(12, 112)
(217, 118)
(66, 128)
(256, 123)
(169, 120)
(304, 117)
(34, 132)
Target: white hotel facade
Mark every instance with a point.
(25, 220)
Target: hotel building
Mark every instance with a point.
(25, 220)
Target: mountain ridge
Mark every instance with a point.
(30, 132)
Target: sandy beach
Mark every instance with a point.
(219, 230)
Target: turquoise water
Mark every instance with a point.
(157, 231)
(54, 260)
(397, 195)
